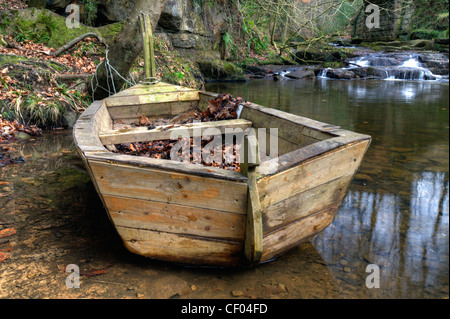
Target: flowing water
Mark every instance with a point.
(395, 215)
(398, 66)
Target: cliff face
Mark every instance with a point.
(194, 28)
(187, 24)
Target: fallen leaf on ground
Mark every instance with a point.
(4, 256)
(7, 232)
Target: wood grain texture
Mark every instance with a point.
(143, 134)
(282, 240)
(130, 114)
(310, 174)
(169, 187)
(180, 248)
(177, 219)
(304, 204)
(155, 98)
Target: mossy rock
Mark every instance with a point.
(322, 53)
(45, 26)
(216, 70)
(424, 34)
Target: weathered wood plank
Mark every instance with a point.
(152, 98)
(143, 134)
(304, 204)
(130, 114)
(290, 128)
(254, 228)
(169, 187)
(184, 168)
(311, 174)
(145, 89)
(294, 234)
(181, 249)
(170, 218)
(85, 129)
(307, 153)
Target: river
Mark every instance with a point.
(395, 216)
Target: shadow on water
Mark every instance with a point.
(395, 214)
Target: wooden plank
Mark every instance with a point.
(143, 134)
(181, 249)
(311, 174)
(170, 218)
(253, 247)
(304, 204)
(155, 98)
(289, 130)
(146, 89)
(130, 114)
(304, 121)
(307, 153)
(85, 129)
(294, 234)
(169, 187)
(115, 159)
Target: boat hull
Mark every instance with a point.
(192, 214)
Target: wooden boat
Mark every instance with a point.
(193, 214)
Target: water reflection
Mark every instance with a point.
(395, 214)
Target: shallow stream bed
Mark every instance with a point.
(395, 215)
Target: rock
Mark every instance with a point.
(43, 23)
(237, 293)
(184, 40)
(301, 74)
(41, 4)
(343, 262)
(340, 74)
(172, 16)
(221, 70)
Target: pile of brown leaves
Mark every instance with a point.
(224, 107)
(12, 5)
(8, 130)
(29, 49)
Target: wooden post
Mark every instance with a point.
(149, 50)
(253, 229)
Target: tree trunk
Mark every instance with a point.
(126, 48)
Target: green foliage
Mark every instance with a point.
(89, 12)
(431, 16)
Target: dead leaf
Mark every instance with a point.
(7, 232)
(4, 256)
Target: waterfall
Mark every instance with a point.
(394, 67)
